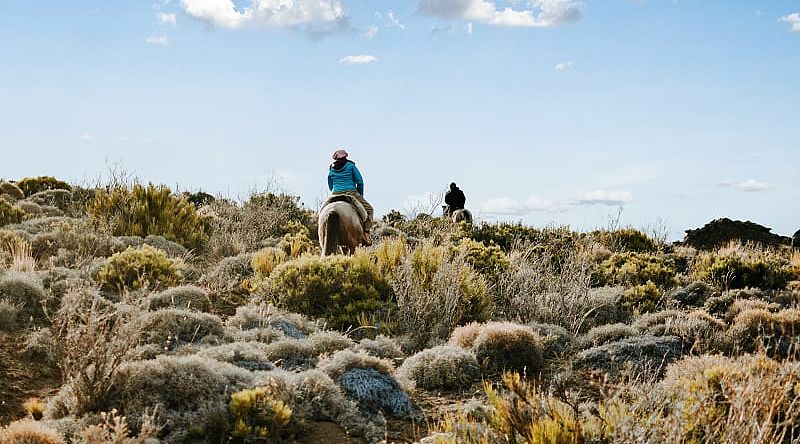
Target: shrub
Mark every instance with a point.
(292, 354)
(193, 393)
(29, 432)
(435, 293)
(643, 298)
(340, 289)
(368, 380)
(555, 338)
(501, 346)
(489, 261)
(58, 198)
(240, 228)
(640, 355)
(296, 242)
(265, 260)
(93, 339)
(24, 290)
(171, 327)
(633, 269)
(626, 240)
(737, 269)
(10, 214)
(33, 185)
(9, 315)
(41, 347)
(187, 297)
(259, 316)
(230, 282)
(700, 332)
(441, 368)
(508, 235)
(247, 355)
(258, 415)
(719, 399)
(136, 268)
(381, 347)
(145, 210)
(694, 295)
(778, 334)
(11, 190)
(604, 334)
(114, 430)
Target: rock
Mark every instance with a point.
(796, 239)
(719, 232)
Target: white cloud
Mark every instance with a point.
(394, 21)
(563, 65)
(469, 28)
(167, 19)
(793, 20)
(748, 186)
(371, 32)
(160, 40)
(602, 197)
(751, 185)
(505, 206)
(541, 13)
(266, 13)
(360, 59)
(87, 137)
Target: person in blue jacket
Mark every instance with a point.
(344, 178)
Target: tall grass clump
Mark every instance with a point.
(436, 292)
(141, 210)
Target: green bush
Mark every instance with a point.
(11, 190)
(33, 185)
(626, 240)
(339, 289)
(60, 199)
(136, 268)
(145, 210)
(10, 213)
(643, 298)
(634, 269)
(489, 261)
(732, 270)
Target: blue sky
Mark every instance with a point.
(545, 111)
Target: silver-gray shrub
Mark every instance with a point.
(254, 316)
(382, 347)
(172, 327)
(441, 368)
(24, 290)
(189, 297)
(604, 334)
(192, 394)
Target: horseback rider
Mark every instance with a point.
(454, 199)
(345, 179)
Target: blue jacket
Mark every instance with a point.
(347, 178)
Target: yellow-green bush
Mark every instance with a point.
(745, 269)
(338, 288)
(33, 185)
(150, 210)
(626, 240)
(10, 213)
(296, 241)
(633, 269)
(266, 260)
(643, 298)
(489, 261)
(135, 268)
(261, 416)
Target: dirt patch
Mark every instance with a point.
(20, 379)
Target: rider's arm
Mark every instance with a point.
(330, 179)
(358, 180)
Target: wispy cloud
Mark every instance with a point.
(167, 19)
(748, 186)
(86, 137)
(371, 32)
(506, 206)
(563, 65)
(540, 13)
(360, 59)
(160, 40)
(266, 13)
(793, 20)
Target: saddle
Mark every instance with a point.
(362, 212)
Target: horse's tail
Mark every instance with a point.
(332, 234)
(467, 216)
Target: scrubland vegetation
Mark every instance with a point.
(130, 313)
